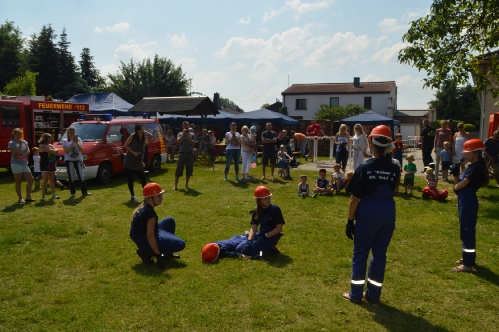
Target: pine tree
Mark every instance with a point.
(88, 71)
(43, 58)
(66, 67)
(12, 57)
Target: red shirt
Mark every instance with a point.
(316, 129)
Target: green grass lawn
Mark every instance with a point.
(70, 264)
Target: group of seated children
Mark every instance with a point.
(323, 186)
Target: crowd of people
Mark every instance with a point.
(372, 186)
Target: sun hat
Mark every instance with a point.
(429, 171)
(410, 157)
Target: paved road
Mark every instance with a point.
(309, 166)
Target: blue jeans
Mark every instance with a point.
(166, 239)
(229, 155)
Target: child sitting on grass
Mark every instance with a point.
(409, 171)
(337, 179)
(348, 178)
(303, 188)
(321, 184)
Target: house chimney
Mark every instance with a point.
(216, 100)
(356, 82)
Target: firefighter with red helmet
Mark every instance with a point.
(266, 226)
(154, 238)
(466, 185)
(373, 208)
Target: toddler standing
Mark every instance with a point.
(445, 159)
(409, 170)
(37, 174)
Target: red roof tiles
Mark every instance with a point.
(340, 88)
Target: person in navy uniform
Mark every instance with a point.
(268, 217)
(473, 177)
(224, 248)
(154, 238)
(372, 206)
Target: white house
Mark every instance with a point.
(305, 99)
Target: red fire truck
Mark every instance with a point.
(35, 116)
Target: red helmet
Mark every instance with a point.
(473, 145)
(210, 252)
(381, 131)
(152, 189)
(261, 192)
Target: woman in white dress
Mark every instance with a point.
(359, 146)
(457, 149)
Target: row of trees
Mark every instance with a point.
(43, 65)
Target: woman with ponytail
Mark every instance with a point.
(373, 208)
(473, 177)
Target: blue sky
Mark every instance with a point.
(245, 50)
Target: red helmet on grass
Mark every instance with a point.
(473, 145)
(152, 189)
(261, 192)
(210, 252)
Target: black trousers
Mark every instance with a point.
(427, 158)
(131, 176)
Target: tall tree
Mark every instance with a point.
(66, 67)
(22, 85)
(88, 71)
(43, 58)
(12, 58)
(159, 78)
(457, 103)
(453, 40)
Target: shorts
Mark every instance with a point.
(16, 168)
(187, 161)
(342, 185)
(283, 164)
(408, 182)
(445, 165)
(310, 144)
(269, 156)
(37, 176)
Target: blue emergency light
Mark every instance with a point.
(144, 115)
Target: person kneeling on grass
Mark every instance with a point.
(269, 218)
(154, 238)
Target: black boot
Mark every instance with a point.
(145, 256)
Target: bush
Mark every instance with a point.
(469, 127)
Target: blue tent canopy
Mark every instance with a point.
(173, 119)
(371, 118)
(104, 102)
(262, 116)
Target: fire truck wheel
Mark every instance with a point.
(104, 173)
(155, 164)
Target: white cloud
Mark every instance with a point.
(137, 51)
(205, 79)
(263, 70)
(263, 30)
(121, 27)
(247, 20)
(108, 69)
(341, 50)
(257, 97)
(388, 55)
(238, 66)
(298, 7)
(392, 25)
(372, 78)
(179, 41)
(286, 46)
(188, 64)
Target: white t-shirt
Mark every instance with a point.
(232, 144)
(74, 154)
(338, 176)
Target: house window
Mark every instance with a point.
(367, 103)
(301, 104)
(334, 101)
